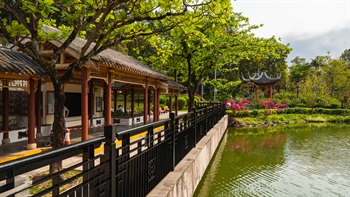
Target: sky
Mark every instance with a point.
(311, 27)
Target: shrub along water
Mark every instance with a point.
(271, 114)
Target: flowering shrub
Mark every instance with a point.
(241, 109)
(230, 104)
(269, 105)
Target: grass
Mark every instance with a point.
(291, 118)
(47, 184)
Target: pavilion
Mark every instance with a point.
(92, 87)
(19, 72)
(262, 81)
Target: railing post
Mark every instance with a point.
(150, 136)
(126, 146)
(172, 126)
(195, 125)
(206, 119)
(110, 155)
(88, 159)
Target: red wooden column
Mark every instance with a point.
(31, 116)
(91, 101)
(5, 114)
(84, 105)
(256, 92)
(132, 104)
(108, 104)
(38, 109)
(145, 104)
(270, 91)
(115, 100)
(170, 102)
(176, 104)
(155, 106)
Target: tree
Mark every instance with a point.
(335, 74)
(313, 88)
(345, 56)
(298, 72)
(103, 23)
(194, 48)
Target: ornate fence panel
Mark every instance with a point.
(201, 123)
(143, 163)
(184, 135)
(11, 171)
(146, 155)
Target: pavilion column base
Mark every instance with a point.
(31, 146)
(6, 141)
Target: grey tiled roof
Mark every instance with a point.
(19, 63)
(175, 85)
(116, 59)
(113, 58)
(262, 79)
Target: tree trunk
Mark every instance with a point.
(58, 123)
(190, 100)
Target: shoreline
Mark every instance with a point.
(284, 119)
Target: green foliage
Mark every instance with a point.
(291, 118)
(197, 99)
(294, 110)
(119, 113)
(104, 24)
(182, 102)
(164, 100)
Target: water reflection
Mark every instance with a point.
(309, 160)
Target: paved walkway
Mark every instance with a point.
(18, 150)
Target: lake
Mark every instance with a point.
(291, 160)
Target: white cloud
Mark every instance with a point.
(334, 42)
(316, 26)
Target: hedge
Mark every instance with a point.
(295, 110)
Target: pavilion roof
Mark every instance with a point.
(18, 63)
(171, 85)
(261, 79)
(175, 85)
(113, 58)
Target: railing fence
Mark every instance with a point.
(133, 168)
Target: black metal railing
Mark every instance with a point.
(133, 168)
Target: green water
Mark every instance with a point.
(300, 160)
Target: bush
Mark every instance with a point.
(182, 102)
(333, 103)
(255, 112)
(242, 113)
(318, 111)
(118, 113)
(164, 100)
(197, 99)
(290, 111)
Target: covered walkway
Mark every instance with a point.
(17, 150)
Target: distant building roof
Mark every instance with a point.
(16, 62)
(261, 79)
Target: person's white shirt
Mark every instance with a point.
(120, 108)
(66, 112)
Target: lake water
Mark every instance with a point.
(299, 160)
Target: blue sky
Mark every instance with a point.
(311, 27)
